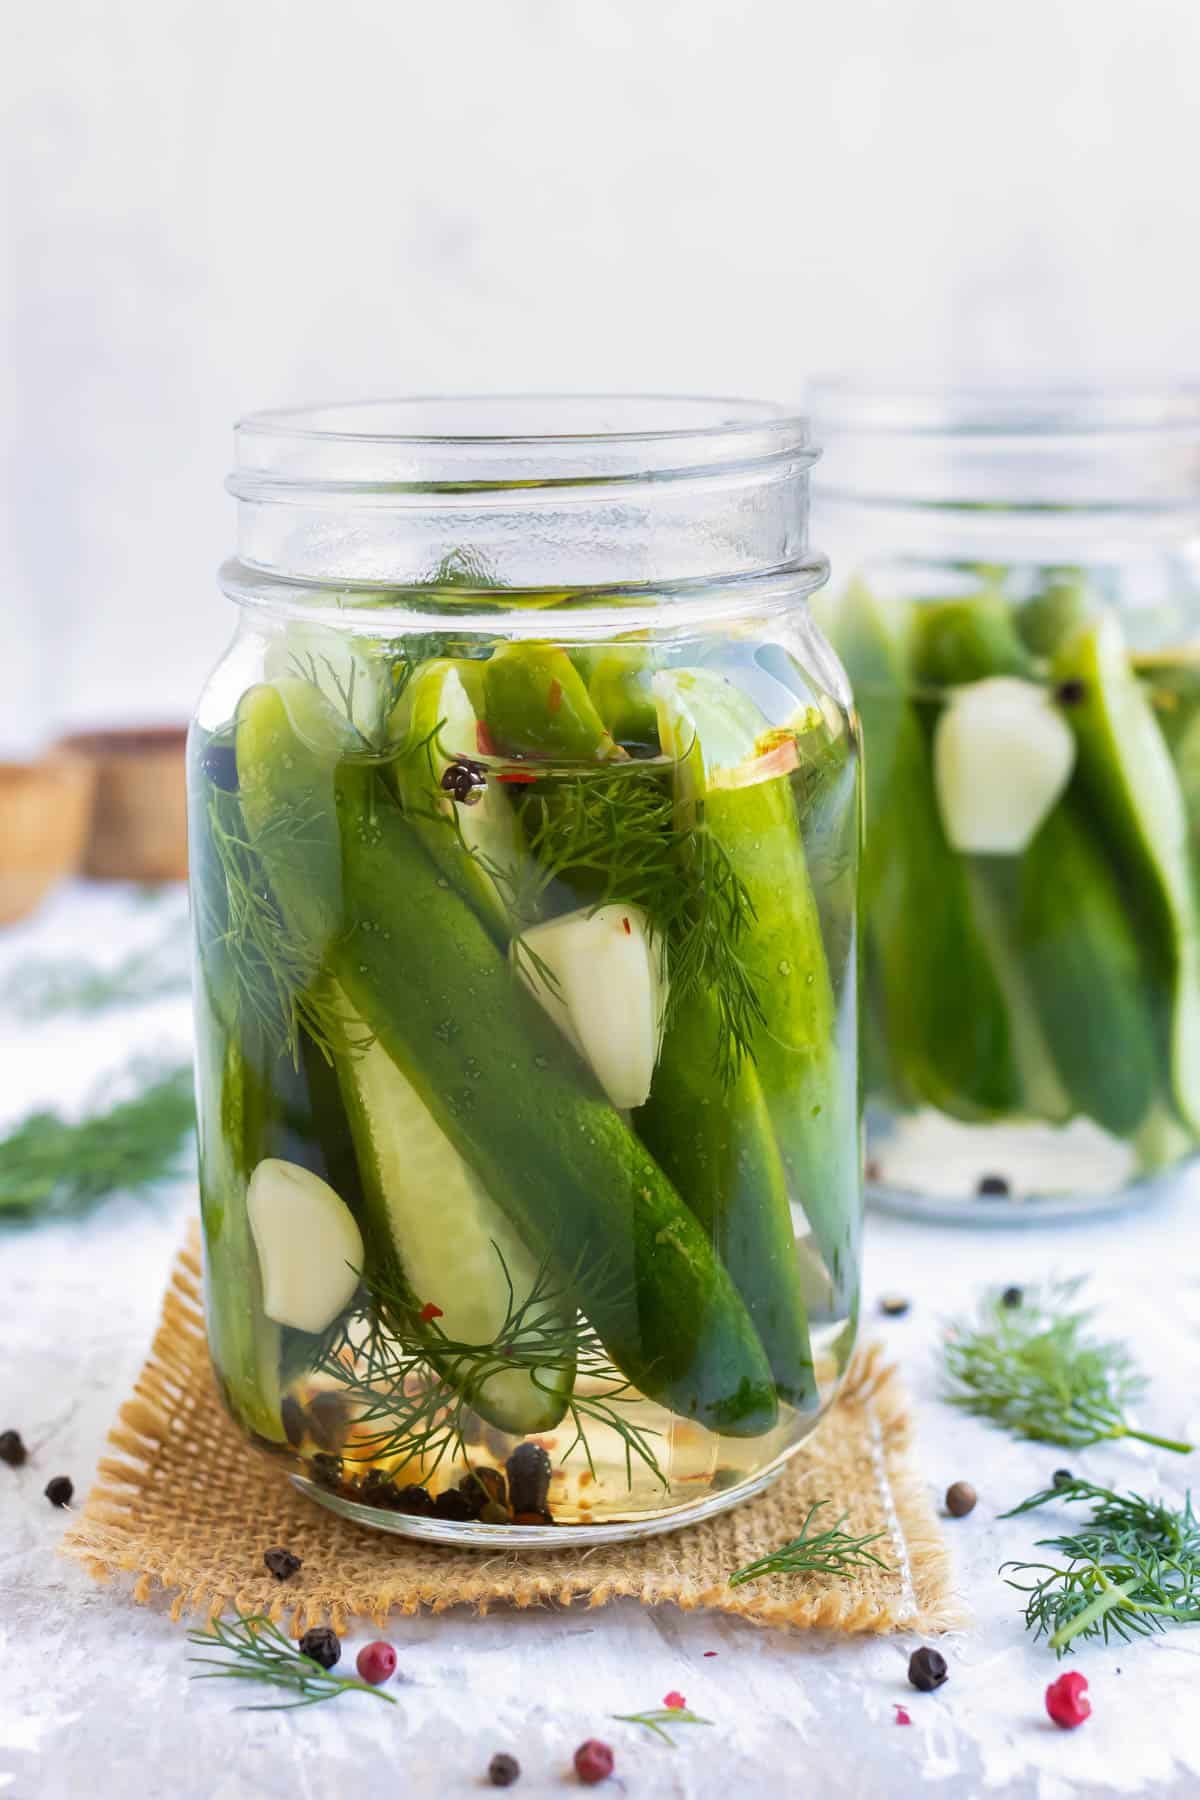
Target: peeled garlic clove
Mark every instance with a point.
(1002, 756)
(310, 1249)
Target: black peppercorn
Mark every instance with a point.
(488, 1484)
(960, 1499)
(376, 1489)
(1011, 1297)
(927, 1670)
(58, 1490)
(993, 1186)
(1070, 693)
(413, 1499)
(12, 1449)
(450, 1504)
(1063, 1478)
(282, 1563)
(894, 1306)
(503, 1769)
(326, 1470)
(323, 1645)
(328, 1416)
(219, 763)
(528, 1478)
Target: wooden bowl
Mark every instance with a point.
(139, 820)
(45, 812)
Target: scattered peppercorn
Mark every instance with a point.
(903, 1716)
(593, 1762)
(282, 1563)
(328, 1417)
(491, 1481)
(1066, 1700)
(991, 1186)
(292, 1417)
(326, 1470)
(377, 1489)
(1070, 693)
(58, 1490)
(1063, 1478)
(12, 1449)
(528, 1478)
(960, 1499)
(674, 1701)
(927, 1669)
(503, 1769)
(376, 1662)
(894, 1306)
(323, 1645)
(414, 1499)
(1011, 1297)
(450, 1504)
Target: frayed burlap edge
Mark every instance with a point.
(199, 1542)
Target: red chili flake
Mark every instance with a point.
(903, 1716)
(1066, 1700)
(628, 927)
(710, 1653)
(517, 776)
(429, 1312)
(484, 741)
(675, 1701)
(555, 697)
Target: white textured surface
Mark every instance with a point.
(95, 1699)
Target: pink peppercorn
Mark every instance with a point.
(674, 1701)
(593, 1762)
(903, 1716)
(1066, 1700)
(376, 1663)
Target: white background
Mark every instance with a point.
(212, 205)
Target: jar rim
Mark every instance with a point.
(483, 441)
(999, 409)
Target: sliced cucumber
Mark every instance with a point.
(452, 1244)
(478, 845)
(993, 883)
(1087, 976)
(1129, 780)
(1002, 756)
(421, 971)
(602, 979)
(537, 705)
(310, 1250)
(619, 684)
(734, 775)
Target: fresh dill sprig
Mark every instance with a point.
(660, 1716)
(612, 834)
(828, 1552)
(278, 974)
(46, 987)
(1034, 1370)
(51, 1165)
(256, 1650)
(413, 1387)
(1132, 1570)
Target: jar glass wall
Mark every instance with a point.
(524, 827)
(1016, 605)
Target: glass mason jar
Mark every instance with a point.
(524, 829)
(1017, 610)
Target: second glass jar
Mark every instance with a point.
(1016, 604)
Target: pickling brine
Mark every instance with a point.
(526, 1034)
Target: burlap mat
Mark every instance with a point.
(188, 1512)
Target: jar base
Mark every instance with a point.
(925, 1166)
(473, 1535)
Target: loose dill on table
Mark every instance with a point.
(831, 1551)
(413, 1387)
(1034, 1370)
(1131, 1570)
(52, 1166)
(658, 1717)
(253, 1649)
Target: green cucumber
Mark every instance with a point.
(993, 882)
(420, 969)
(718, 1146)
(734, 777)
(1057, 609)
(537, 705)
(956, 641)
(460, 1252)
(1130, 783)
(1087, 976)
(619, 685)
(946, 1021)
(478, 847)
